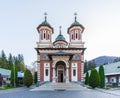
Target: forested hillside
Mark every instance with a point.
(6, 62)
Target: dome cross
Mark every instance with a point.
(75, 16)
(60, 29)
(45, 16)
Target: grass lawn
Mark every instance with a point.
(6, 87)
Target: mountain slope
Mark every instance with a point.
(104, 60)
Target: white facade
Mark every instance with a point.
(74, 72)
(46, 72)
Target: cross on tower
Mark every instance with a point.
(75, 15)
(45, 15)
(60, 29)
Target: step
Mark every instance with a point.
(59, 86)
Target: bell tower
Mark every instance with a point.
(45, 31)
(75, 32)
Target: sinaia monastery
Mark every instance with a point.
(60, 61)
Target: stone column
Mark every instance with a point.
(82, 68)
(38, 71)
(54, 78)
(67, 75)
(38, 67)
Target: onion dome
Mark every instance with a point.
(45, 23)
(60, 37)
(75, 23)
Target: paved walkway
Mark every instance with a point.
(13, 90)
(59, 86)
(113, 91)
(71, 87)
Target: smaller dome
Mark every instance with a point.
(45, 23)
(75, 23)
(60, 37)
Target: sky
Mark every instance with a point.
(20, 18)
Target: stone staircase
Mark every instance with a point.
(59, 86)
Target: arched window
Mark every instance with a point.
(76, 35)
(48, 36)
(44, 35)
(41, 36)
(46, 72)
(72, 36)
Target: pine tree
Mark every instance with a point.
(85, 66)
(87, 78)
(10, 60)
(3, 61)
(91, 65)
(35, 77)
(14, 76)
(102, 76)
(1, 80)
(94, 80)
(28, 78)
(19, 62)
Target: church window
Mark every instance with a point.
(44, 35)
(46, 72)
(76, 35)
(76, 56)
(41, 35)
(72, 36)
(48, 36)
(44, 56)
(74, 72)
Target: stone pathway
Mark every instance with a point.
(59, 86)
(13, 90)
(115, 92)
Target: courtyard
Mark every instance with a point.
(82, 93)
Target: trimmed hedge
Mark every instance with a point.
(94, 80)
(28, 78)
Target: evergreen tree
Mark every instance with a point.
(3, 55)
(102, 76)
(1, 80)
(7, 63)
(19, 63)
(10, 60)
(94, 80)
(87, 78)
(117, 59)
(14, 76)
(3, 61)
(35, 77)
(91, 65)
(85, 66)
(28, 78)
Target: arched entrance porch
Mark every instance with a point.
(60, 68)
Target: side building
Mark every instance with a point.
(112, 73)
(60, 61)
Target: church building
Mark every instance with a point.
(60, 60)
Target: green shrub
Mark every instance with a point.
(87, 78)
(28, 78)
(94, 80)
(35, 77)
(12, 77)
(102, 76)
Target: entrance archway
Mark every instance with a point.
(60, 71)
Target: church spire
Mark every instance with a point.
(60, 30)
(75, 16)
(45, 16)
